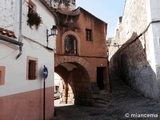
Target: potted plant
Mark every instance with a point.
(33, 18)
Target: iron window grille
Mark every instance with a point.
(88, 34)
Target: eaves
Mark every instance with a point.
(8, 36)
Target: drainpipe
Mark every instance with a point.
(20, 29)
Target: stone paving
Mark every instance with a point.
(121, 104)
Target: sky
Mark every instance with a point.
(107, 10)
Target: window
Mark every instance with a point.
(88, 34)
(34, 18)
(70, 45)
(31, 6)
(32, 68)
(2, 75)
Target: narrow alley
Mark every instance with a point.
(122, 104)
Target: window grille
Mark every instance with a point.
(88, 34)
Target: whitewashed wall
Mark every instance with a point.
(155, 27)
(154, 15)
(15, 78)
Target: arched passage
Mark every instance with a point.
(76, 83)
(78, 74)
(79, 60)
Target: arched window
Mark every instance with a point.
(70, 45)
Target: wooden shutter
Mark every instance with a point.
(32, 69)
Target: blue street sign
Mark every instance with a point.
(45, 72)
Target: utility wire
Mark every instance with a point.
(8, 55)
(47, 48)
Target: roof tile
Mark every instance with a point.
(7, 33)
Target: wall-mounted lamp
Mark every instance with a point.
(54, 31)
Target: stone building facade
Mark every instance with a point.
(66, 5)
(81, 56)
(136, 60)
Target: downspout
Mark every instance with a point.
(20, 29)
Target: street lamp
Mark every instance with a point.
(53, 30)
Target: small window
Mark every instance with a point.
(31, 6)
(34, 18)
(32, 68)
(88, 34)
(2, 75)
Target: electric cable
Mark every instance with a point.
(8, 55)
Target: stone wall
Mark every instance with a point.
(90, 55)
(76, 84)
(132, 61)
(62, 4)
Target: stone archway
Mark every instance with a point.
(78, 74)
(75, 59)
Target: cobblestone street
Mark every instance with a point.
(122, 104)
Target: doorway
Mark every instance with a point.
(100, 77)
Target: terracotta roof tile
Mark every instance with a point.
(7, 33)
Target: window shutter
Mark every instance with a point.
(32, 69)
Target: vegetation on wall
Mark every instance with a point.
(33, 18)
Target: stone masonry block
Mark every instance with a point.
(95, 89)
(76, 59)
(65, 59)
(83, 62)
(80, 60)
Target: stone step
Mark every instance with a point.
(99, 105)
(102, 92)
(97, 96)
(102, 101)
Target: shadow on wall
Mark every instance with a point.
(131, 65)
